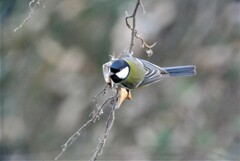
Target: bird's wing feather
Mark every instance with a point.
(154, 73)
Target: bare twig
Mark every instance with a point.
(96, 116)
(101, 144)
(134, 31)
(134, 34)
(104, 90)
(32, 6)
(110, 121)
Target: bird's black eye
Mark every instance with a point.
(114, 70)
(118, 65)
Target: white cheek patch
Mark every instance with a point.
(123, 73)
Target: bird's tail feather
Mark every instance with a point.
(188, 70)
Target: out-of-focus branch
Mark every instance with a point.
(32, 6)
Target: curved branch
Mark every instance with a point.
(134, 31)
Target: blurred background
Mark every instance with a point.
(51, 69)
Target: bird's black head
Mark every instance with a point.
(119, 70)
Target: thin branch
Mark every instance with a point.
(32, 6)
(134, 34)
(101, 144)
(96, 116)
(109, 124)
(104, 90)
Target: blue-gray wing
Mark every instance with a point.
(154, 73)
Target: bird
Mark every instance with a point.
(128, 73)
(131, 72)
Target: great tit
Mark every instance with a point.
(130, 72)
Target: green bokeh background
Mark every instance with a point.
(51, 70)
